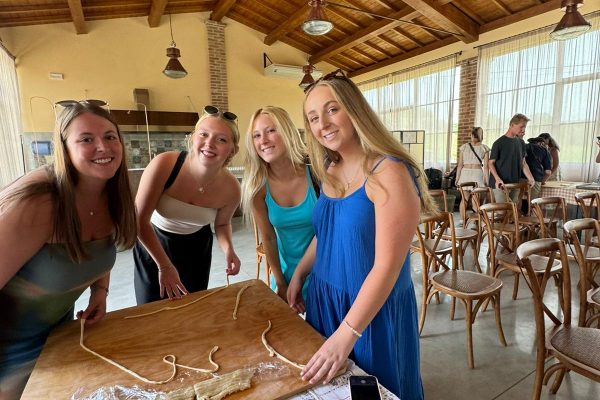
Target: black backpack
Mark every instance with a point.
(434, 178)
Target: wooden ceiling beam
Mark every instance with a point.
(448, 17)
(468, 12)
(548, 6)
(289, 24)
(392, 43)
(378, 48)
(365, 54)
(408, 36)
(77, 15)
(365, 34)
(157, 9)
(401, 57)
(221, 9)
(501, 6)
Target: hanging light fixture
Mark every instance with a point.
(317, 22)
(174, 69)
(572, 24)
(308, 79)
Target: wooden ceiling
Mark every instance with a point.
(358, 43)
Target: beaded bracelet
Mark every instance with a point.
(354, 331)
(97, 286)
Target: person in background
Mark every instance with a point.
(539, 162)
(507, 159)
(472, 163)
(278, 189)
(360, 295)
(554, 155)
(179, 196)
(59, 229)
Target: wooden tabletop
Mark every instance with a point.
(64, 370)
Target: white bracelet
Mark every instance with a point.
(354, 331)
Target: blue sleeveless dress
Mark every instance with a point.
(389, 346)
(294, 230)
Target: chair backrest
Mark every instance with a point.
(430, 241)
(465, 189)
(549, 212)
(501, 222)
(480, 195)
(589, 201)
(554, 249)
(524, 193)
(439, 196)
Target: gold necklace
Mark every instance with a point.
(351, 181)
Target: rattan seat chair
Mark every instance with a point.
(527, 222)
(466, 204)
(550, 212)
(472, 288)
(575, 348)
(588, 260)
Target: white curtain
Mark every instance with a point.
(11, 153)
(554, 83)
(424, 97)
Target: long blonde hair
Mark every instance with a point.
(232, 125)
(61, 183)
(375, 139)
(256, 169)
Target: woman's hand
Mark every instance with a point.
(294, 294)
(96, 309)
(332, 355)
(282, 288)
(233, 263)
(168, 277)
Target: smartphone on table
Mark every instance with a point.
(364, 388)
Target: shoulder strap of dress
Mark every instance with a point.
(408, 167)
(176, 169)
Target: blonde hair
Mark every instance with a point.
(230, 124)
(256, 169)
(62, 180)
(518, 118)
(375, 139)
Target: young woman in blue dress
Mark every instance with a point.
(59, 229)
(361, 296)
(278, 190)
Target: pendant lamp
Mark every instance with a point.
(174, 69)
(572, 24)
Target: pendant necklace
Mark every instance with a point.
(92, 213)
(351, 181)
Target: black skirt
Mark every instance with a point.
(191, 254)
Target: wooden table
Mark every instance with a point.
(65, 371)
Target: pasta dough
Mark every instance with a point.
(273, 352)
(221, 386)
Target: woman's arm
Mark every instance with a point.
(396, 218)
(269, 241)
(459, 165)
(294, 293)
(96, 309)
(486, 171)
(149, 191)
(25, 226)
(223, 230)
(556, 161)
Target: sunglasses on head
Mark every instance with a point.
(212, 110)
(337, 74)
(71, 103)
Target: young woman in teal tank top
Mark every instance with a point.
(278, 193)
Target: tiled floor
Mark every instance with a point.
(504, 373)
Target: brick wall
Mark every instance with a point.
(468, 99)
(217, 64)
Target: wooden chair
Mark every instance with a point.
(260, 254)
(588, 259)
(479, 196)
(574, 348)
(527, 222)
(439, 196)
(467, 286)
(549, 212)
(589, 202)
(503, 239)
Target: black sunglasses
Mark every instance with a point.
(71, 103)
(337, 74)
(212, 110)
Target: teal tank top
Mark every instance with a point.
(42, 294)
(294, 229)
